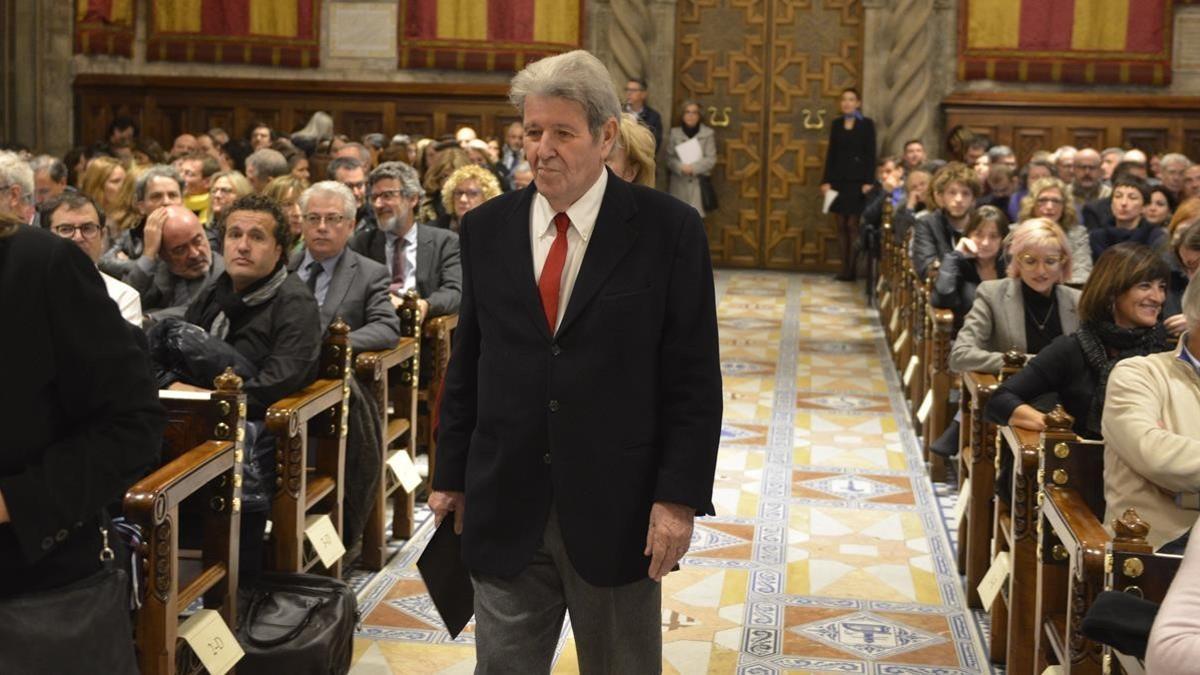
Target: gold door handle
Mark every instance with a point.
(718, 122)
(809, 123)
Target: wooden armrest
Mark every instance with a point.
(178, 479)
(942, 318)
(979, 383)
(1069, 516)
(303, 406)
(1024, 444)
(370, 365)
(434, 326)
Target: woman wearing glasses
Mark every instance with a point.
(1119, 311)
(1183, 258)
(1049, 198)
(1024, 311)
(468, 187)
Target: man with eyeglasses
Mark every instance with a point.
(353, 174)
(73, 215)
(635, 102)
(345, 284)
(176, 263)
(1088, 184)
(417, 256)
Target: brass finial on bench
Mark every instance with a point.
(1130, 528)
(1058, 420)
(228, 382)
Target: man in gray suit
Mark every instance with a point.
(176, 262)
(345, 283)
(417, 256)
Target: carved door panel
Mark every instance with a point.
(767, 75)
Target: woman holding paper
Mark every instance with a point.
(849, 174)
(692, 154)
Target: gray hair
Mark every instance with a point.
(156, 171)
(576, 76)
(319, 127)
(53, 166)
(1191, 306)
(410, 182)
(16, 171)
(334, 189)
(1175, 158)
(999, 152)
(523, 167)
(364, 155)
(1112, 151)
(267, 163)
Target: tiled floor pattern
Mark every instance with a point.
(829, 553)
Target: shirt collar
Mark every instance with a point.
(1186, 356)
(583, 212)
(329, 264)
(410, 238)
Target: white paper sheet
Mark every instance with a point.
(689, 151)
(830, 195)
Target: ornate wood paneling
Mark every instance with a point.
(1151, 123)
(167, 106)
(772, 69)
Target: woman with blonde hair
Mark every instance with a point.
(124, 214)
(102, 181)
(1182, 256)
(632, 156)
(1049, 198)
(225, 188)
(285, 191)
(468, 187)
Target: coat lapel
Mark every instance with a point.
(339, 285)
(1014, 305)
(517, 255)
(1068, 314)
(424, 260)
(377, 250)
(611, 240)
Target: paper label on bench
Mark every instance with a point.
(926, 407)
(900, 340)
(879, 285)
(895, 322)
(990, 586)
(208, 636)
(405, 471)
(1053, 670)
(964, 499)
(324, 539)
(911, 369)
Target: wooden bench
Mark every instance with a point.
(884, 283)
(391, 377)
(202, 464)
(1131, 567)
(312, 418)
(438, 333)
(939, 381)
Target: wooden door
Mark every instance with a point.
(767, 75)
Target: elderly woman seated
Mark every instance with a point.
(1119, 311)
(1152, 427)
(1024, 311)
(270, 318)
(1049, 198)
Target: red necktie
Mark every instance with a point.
(551, 279)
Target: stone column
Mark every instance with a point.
(38, 110)
(873, 82)
(636, 38)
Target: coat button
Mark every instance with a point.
(61, 535)
(553, 405)
(546, 458)
(47, 543)
(555, 350)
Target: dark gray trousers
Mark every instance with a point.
(617, 629)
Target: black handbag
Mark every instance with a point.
(297, 624)
(708, 194)
(83, 627)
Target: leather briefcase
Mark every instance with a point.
(297, 624)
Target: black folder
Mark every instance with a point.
(446, 577)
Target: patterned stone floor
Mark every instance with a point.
(829, 553)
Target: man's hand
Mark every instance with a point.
(825, 187)
(423, 307)
(686, 169)
(183, 386)
(397, 301)
(967, 247)
(442, 503)
(866, 188)
(668, 537)
(152, 238)
(1175, 325)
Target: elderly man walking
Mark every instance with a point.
(582, 409)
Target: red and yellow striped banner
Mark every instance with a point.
(104, 27)
(495, 35)
(261, 32)
(1077, 41)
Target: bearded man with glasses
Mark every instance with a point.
(73, 215)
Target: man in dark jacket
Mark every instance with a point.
(954, 189)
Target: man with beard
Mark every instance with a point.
(954, 190)
(417, 256)
(176, 264)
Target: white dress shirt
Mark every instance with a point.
(127, 299)
(542, 232)
(410, 256)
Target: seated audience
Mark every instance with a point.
(1031, 173)
(914, 155)
(916, 198)
(683, 179)
(1109, 159)
(1024, 311)
(1172, 168)
(1151, 427)
(954, 190)
(465, 189)
(357, 151)
(1129, 195)
(1001, 184)
(259, 135)
(888, 187)
(1118, 312)
(176, 264)
(345, 284)
(157, 187)
(227, 187)
(1183, 257)
(445, 161)
(1049, 198)
(1064, 163)
(353, 174)
(1157, 211)
(270, 318)
(197, 171)
(102, 181)
(1191, 182)
(1087, 183)
(73, 215)
(263, 165)
(632, 155)
(975, 259)
(417, 255)
(185, 144)
(286, 191)
(49, 178)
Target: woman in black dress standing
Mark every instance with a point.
(849, 170)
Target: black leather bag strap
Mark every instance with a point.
(292, 634)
